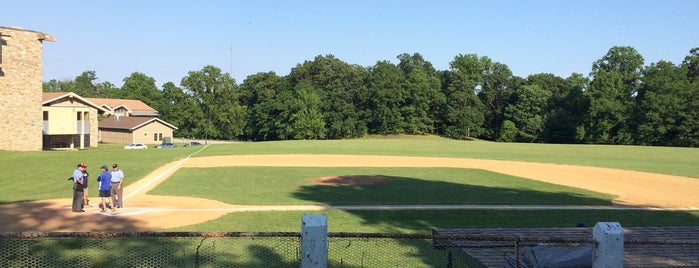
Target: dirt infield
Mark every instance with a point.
(144, 212)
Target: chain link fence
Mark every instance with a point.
(197, 249)
(661, 253)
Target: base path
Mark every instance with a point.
(142, 212)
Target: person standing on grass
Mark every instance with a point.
(78, 188)
(105, 186)
(117, 189)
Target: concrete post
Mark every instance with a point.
(82, 130)
(610, 245)
(314, 241)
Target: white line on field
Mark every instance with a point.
(151, 181)
(141, 210)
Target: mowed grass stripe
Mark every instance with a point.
(422, 221)
(664, 160)
(406, 186)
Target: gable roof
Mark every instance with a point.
(135, 107)
(130, 122)
(49, 97)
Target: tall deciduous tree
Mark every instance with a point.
(565, 108)
(691, 62)
(527, 111)
(217, 95)
(615, 83)
(422, 95)
(668, 107)
(181, 110)
(495, 93)
(381, 102)
(464, 110)
(263, 94)
(85, 84)
(306, 120)
(142, 87)
(339, 83)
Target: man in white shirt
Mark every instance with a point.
(117, 189)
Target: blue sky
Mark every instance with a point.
(167, 39)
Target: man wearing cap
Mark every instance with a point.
(117, 190)
(105, 181)
(78, 188)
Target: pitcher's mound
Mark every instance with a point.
(351, 180)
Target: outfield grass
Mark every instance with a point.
(426, 186)
(29, 176)
(665, 160)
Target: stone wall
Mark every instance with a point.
(21, 88)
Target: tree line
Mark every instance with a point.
(622, 101)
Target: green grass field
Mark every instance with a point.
(407, 186)
(665, 160)
(29, 176)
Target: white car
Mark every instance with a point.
(136, 146)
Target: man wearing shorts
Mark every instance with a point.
(105, 181)
(117, 189)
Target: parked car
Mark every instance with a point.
(166, 145)
(192, 143)
(134, 146)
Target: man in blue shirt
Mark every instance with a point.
(105, 181)
(78, 188)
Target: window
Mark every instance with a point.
(157, 136)
(46, 115)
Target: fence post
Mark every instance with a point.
(610, 245)
(314, 240)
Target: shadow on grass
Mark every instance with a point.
(404, 190)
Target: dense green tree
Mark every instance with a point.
(262, 93)
(181, 110)
(85, 84)
(565, 108)
(508, 131)
(421, 94)
(381, 102)
(340, 84)
(622, 102)
(306, 120)
(142, 87)
(464, 110)
(527, 111)
(106, 90)
(615, 83)
(691, 62)
(54, 85)
(495, 93)
(668, 107)
(216, 94)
